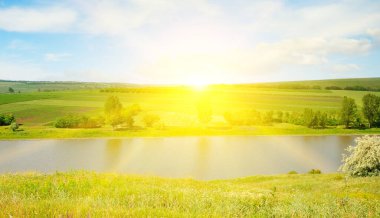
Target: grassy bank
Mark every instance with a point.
(101, 195)
(279, 129)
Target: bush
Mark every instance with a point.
(364, 158)
(75, 121)
(314, 171)
(6, 119)
(14, 126)
(150, 119)
(292, 172)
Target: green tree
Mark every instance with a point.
(130, 113)
(11, 90)
(112, 105)
(150, 119)
(268, 117)
(315, 120)
(116, 119)
(308, 116)
(112, 110)
(371, 108)
(323, 120)
(348, 111)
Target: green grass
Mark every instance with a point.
(37, 111)
(82, 194)
(278, 129)
(365, 82)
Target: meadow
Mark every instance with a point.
(79, 194)
(38, 110)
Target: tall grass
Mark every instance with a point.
(81, 194)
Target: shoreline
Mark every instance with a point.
(184, 136)
(169, 135)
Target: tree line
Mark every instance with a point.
(115, 115)
(349, 115)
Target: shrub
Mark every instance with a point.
(364, 158)
(314, 171)
(14, 126)
(6, 119)
(292, 172)
(75, 121)
(150, 119)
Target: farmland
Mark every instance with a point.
(177, 109)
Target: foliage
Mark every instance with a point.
(130, 113)
(87, 194)
(371, 109)
(6, 119)
(364, 158)
(77, 121)
(11, 90)
(112, 106)
(112, 110)
(315, 171)
(150, 119)
(348, 111)
(353, 88)
(14, 126)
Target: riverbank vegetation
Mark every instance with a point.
(243, 109)
(79, 194)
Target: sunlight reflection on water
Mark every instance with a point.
(197, 157)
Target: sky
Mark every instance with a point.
(188, 41)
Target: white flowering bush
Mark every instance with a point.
(364, 158)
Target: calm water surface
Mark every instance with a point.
(197, 157)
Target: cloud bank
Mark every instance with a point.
(191, 41)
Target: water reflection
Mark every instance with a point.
(202, 157)
(197, 157)
(113, 153)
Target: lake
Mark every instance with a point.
(219, 157)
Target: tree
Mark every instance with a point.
(112, 110)
(116, 119)
(371, 108)
(323, 120)
(11, 90)
(308, 116)
(268, 117)
(364, 158)
(150, 119)
(348, 111)
(130, 113)
(315, 120)
(112, 105)
(280, 116)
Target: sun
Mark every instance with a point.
(199, 87)
(198, 84)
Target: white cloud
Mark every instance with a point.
(51, 19)
(344, 68)
(185, 40)
(56, 56)
(16, 70)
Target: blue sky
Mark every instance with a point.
(190, 41)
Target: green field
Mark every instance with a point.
(83, 194)
(37, 111)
